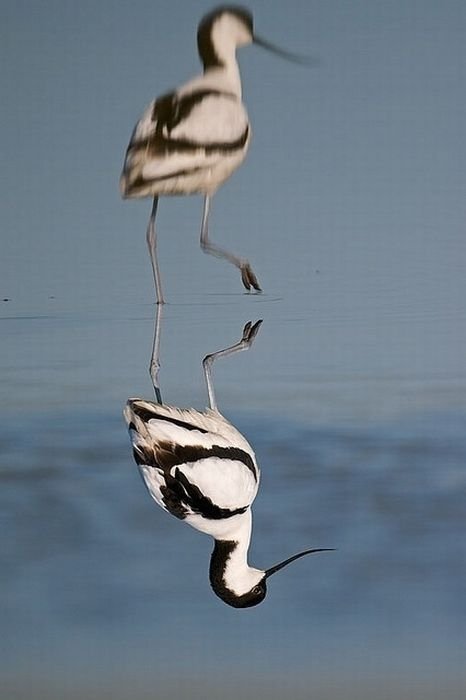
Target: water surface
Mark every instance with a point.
(104, 594)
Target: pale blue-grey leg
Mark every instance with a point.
(151, 238)
(154, 366)
(248, 277)
(250, 331)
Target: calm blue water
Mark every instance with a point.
(104, 595)
(351, 208)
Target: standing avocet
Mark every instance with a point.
(190, 141)
(199, 468)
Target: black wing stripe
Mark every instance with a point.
(146, 415)
(174, 498)
(171, 109)
(164, 109)
(180, 497)
(165, 455)
(174, 455)
(199, 503)
(158, 145)
(140, 183)
(140, 457)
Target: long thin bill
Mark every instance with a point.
(287, 55)
(282, 564)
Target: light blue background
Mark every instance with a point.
(351, 208)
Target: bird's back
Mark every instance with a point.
(196, 465)
(187, 141)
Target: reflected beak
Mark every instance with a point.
(287, 55)
(282, 564)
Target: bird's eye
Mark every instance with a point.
(257, 590)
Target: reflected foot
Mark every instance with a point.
(250, 331)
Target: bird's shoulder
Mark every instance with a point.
(183, 425)
(201, 452)
(208, 114)
(202, 114)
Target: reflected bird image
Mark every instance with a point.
(191, 140)
(198, 467)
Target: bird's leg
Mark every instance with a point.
(154, 366)
(250, 331)
(248, 277)
(151, 238)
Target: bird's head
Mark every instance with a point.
(221, 32)
(229, 27)
(243, 586)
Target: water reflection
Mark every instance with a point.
(87, 557)
(154, 365)
(199, 468)
(101, 590)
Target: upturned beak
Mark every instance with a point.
(287, 55)
(282, 564)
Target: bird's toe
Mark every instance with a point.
(245, 278)
(254, 330)
(250, 331)
(249, 278)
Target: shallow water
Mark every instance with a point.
(104, 595)
(351, 208)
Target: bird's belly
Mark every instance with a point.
(197, 175)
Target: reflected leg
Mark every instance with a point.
(250, 331)
(154, 366)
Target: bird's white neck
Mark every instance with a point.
(227, 77)
(229, 569)
(223, 42)
(223, 45)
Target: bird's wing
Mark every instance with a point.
(205, 122)
(183, 134)
(188, 469)
(207, 118)
(183, 425)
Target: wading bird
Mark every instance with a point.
(190, 141)
(199, 468)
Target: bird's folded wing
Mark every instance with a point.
(228, 483)
(208, 119)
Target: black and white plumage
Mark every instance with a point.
(199, 467)
(190, 141)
